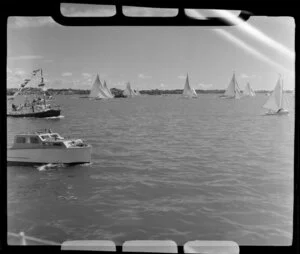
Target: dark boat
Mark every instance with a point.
(38, 114)
(34, 107)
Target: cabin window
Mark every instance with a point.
(34, 140)
(20, 140)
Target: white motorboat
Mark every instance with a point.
(43, 147)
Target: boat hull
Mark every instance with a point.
(38, 114)
(282, 112)
(74, 155)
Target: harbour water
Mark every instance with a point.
(163, 167)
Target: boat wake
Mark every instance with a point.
(55, 117)
(50, 166)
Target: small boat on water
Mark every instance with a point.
(43, 147)
(233, 90)
(188, 91)
(32, 101)
(277, 103)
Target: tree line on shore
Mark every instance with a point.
(119, 92)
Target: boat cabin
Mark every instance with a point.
(45, 139)
(38, 140)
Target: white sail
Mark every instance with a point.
(233, 90)
(108, 92)
(128, 91)
(104, 90)
(188, 91)
(137, 92)
(96, 90)
(275, 100)
(248, 90)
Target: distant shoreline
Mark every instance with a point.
(115, 91)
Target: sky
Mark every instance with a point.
(151, 57)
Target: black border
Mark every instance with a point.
(52, 8)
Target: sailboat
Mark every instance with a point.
(97, 90)
(31, 101)
(276, 103)
(233, 91)
(248, 90)
(107, 90)
(128, 91)
(188, 91)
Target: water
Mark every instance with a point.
(163, 167)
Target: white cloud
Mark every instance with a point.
(66, 74)
(19, 73)
(244, 75)
(8, 70)
(204, 86)
(182, 77)
(86, 75)
(162, 85)
(48, 61)
(26, 57)
(143, 76)
(25, 22)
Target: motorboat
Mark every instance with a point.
(39, 111)
(43, 147)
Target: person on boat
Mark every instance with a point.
(14, 108)
(32, 106)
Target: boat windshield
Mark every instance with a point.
(56, 136)
(45, 136)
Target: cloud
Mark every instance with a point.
(86, 75)
(26, 57)
(66, 74)
(86, 10)
(8, 70)
(162, 85)
(48, 61)
(19, 73)
(182, 77)
(143, 76)
(244, 75)
(204, 86)
(25, 22)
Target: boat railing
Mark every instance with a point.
(22, 239)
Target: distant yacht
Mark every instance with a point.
(248, 91)
(233, 91)
(97, 90)
(277, 103)
(129, 92)
(188, 91)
